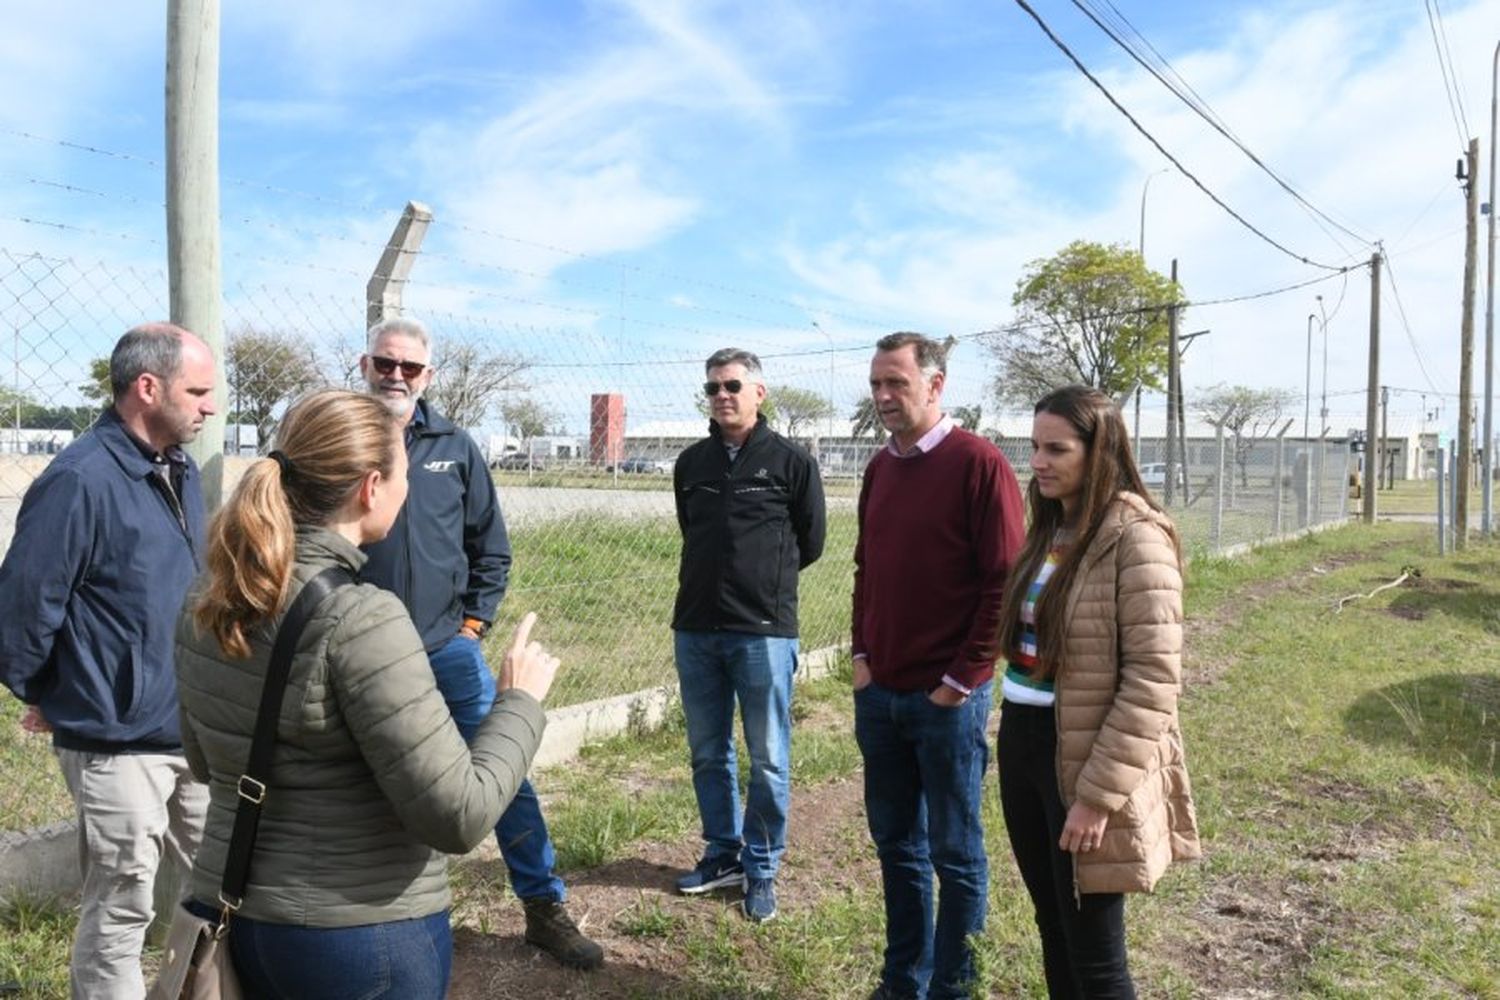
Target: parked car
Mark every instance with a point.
(1154, 475)
(517, 460)
(639, 464)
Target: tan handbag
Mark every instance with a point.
(196, 965)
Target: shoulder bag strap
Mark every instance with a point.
(252, 784)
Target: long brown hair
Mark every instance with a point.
(326, 444)
(1109, 469)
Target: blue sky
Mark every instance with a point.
(648, 181)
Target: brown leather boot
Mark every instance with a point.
(549, 927)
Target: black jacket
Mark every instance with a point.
(747, 529)
(447, 556)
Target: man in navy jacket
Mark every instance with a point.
(447, 557)
(107, 542)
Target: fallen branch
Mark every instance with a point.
(1407, 572)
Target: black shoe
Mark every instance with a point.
(884, 992)
(711, 874)
(549, 927)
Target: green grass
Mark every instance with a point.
(603, 590)
(1345, 771)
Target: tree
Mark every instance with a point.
(1091, 314)
(796, 408)
(1249, 415)
(468, 379)
(967, 417)
(97, 387)
(267, 369)
(865, 422)
(526, 418)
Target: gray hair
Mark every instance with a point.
(734, 356)
(151, 348)
(402, 325)
(932, 356)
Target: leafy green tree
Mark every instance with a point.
(97, 387)
(797, 410)
(1092, 314)
(865, 422)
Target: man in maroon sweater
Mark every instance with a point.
(940, 523)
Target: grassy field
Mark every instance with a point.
(1346, 774)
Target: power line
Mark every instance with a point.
(1201, 108)
(1410, 339)
(1162, 149)
(1450, 81)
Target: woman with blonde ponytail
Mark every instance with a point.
(371, 784)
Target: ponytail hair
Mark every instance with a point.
(327, 443)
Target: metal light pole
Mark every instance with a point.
(833, 407)
(1307, 391)
(1323, 405)
(1489, 318)
(1135, 435)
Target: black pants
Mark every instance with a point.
(1083, 939)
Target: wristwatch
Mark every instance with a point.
(476, 625)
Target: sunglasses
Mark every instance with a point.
(409, 369)
(731, 386)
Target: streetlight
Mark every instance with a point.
(832, 407)
(1307, 391)
(1323, 406)
(1135, 437)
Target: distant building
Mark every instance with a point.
(33, 441)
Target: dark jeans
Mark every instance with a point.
(924, 772)
(400, 959)
(714, 670)
(1083, 937)
(468, 686)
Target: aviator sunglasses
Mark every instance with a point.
(731, 386)
(409, 369)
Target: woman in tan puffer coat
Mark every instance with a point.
(1093, 783)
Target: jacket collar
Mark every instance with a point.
(130, 453)
(760, 430)
(427, 422)
(319, 546)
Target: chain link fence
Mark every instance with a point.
(580, 430)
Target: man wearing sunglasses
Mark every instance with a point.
(750, 507)
(448, 557)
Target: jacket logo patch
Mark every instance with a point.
(438, 466)
(761, 473)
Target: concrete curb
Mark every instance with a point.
(44, 861)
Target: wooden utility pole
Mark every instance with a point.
(1173, 400)
(1372, 439)
(193, 267)
(1464, 476)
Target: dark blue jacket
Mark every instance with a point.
(90, 591)
(447, 556)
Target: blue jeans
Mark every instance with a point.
(924, 772)
(468, 686)
(400, 959)
(714, 669)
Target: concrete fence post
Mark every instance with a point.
(386, 286)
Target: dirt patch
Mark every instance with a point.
(631, 908)
(1253, 934)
